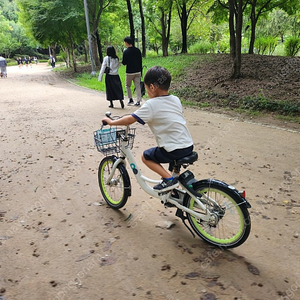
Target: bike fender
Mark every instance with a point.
(226, 186)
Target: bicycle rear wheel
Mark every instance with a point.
(117, 190)
(229, 225)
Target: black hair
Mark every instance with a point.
(128, 40)
(159, 77)
(111, 51)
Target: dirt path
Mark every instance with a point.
(58, 239)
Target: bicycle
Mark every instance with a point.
(216, 211)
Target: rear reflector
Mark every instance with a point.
(243, 193)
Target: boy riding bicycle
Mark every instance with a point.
(164, 115)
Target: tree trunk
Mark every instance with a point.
(143, 29)
(184, 28)
(163, 23)
(85, 51)
(68, 60)
(169, 25)
(95, 48)
(130, 16)
(237, 63)
(253, 27)
(53, 50)
(73, 52)
(235, 28)
(232, 30)
(99, 47)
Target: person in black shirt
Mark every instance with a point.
(132, 59)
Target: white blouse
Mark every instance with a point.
(114, 65)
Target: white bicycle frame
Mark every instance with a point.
(143, 182)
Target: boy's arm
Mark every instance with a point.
(126, 120)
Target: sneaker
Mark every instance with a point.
(137, 104)
(130, 102)
(166, 185)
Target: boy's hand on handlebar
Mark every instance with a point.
(124, 121)
(107, 121)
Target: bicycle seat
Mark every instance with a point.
(187, 159)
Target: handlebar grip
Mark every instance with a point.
(108, 114)
(104, 123)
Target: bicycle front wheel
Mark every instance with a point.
(229, 224)
(117, 190)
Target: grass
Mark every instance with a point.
(177, 65)
(171, 63)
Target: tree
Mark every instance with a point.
(9, 10)
(236, 11)
(258, 8)
(96, 8)
(4, 34)
(184, 10)
(54, 22)
(277, 24)
(162, 11)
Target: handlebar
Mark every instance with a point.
(108, 115)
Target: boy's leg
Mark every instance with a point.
(168, 182)
(156, 167)
(152, 158)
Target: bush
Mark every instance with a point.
(266, 45)
(260, 103)
(10, 62)
(292, 46)
(201, 48)
(224, 47)
(60, 57)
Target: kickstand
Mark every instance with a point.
(180, 214)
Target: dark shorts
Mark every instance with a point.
(160, 155)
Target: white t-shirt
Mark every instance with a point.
(164, 116)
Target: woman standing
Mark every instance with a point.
(114, 90)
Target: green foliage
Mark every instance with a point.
(202, 47)
(90, 82)
(292, 46)
(9, 10)
(260, 103)
(219, 12)
(279, 24)
(279, 51)
(223, 46)
(266, 45)
(52, 22)
(175, 64)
